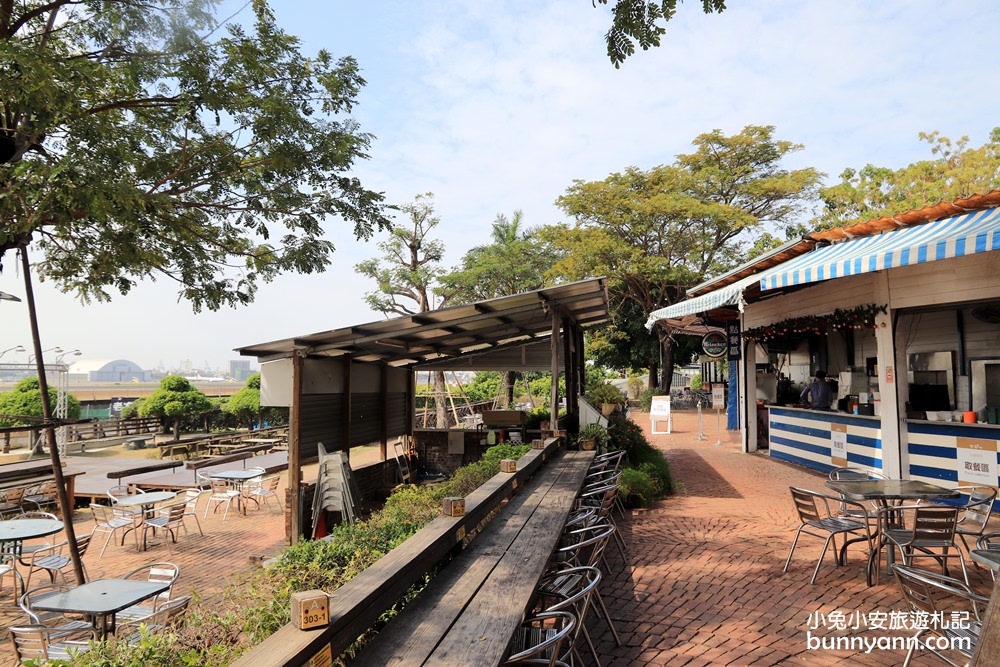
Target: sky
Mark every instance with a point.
(499, 106)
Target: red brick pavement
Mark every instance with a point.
(704, 584)
(207, 563)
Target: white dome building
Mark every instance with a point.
(104, 370)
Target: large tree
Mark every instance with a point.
(407, 275)
(952, 171)
(642, 21)
(143, 140)
(25, 400)
(656, 233)
(514, 261)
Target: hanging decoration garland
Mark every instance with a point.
(862, 317)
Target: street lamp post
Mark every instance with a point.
(75, 353)
(16, 348)
(57, 349)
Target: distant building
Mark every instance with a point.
(239, 369)
(103, 370)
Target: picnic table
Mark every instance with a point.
(137, 442)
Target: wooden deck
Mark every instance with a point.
(93, 480)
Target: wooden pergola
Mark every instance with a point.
(355, 385)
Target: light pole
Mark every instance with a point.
(8, 297)
(75, 353)
(31, 358)
(16, 348)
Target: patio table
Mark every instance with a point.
(100, 600)
(13, 532)
(987, 558)
(886, 492)
(238, 478)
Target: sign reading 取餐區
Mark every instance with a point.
(977, 461)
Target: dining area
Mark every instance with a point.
(924, 538)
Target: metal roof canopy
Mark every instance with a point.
(413, 340)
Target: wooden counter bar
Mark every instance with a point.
(468, 613)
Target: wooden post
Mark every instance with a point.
(295, 451)
(554, 350)
(988, 647)
(345, 433)
(65, 502)
(384, 425)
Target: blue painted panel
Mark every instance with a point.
(954, 430)
(829, 417)
(808, 463)
(867, 461)
(864, 441)
(934, 450)
(804, 446)
(801, 430)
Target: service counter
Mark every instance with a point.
(952, 452)
(823, 440)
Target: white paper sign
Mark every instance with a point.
(838, 444)
(719, 398)
(977, 461)
(660, 406)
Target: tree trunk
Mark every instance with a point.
(667, 372)
(440, 400)
(653, 380)
(177, 429)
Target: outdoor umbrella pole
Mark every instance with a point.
(65, 504)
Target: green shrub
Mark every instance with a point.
(646, 397)
(604, 393)
(637, 488)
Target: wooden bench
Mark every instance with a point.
(140, 468)
(359, 603)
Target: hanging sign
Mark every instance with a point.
(714, 344)
(734, 342)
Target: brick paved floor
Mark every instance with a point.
(704, 584)
(207, 563)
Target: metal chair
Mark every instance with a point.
(161, 571)
(38, 643)
(11, 503)
(54, 560)
(169, 616)
(106, 521)
(989, 542)
(570, 590)
(585, 547)
(938, 599)
(42, 496)
(917, 531)
(121, 491)
(825, 524)
(192, 496)
(221, 493)
(539, 639)
(51, 619)
(265, 490)
(856, 475)
(976, 504)
(169, 519)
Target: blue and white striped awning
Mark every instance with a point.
(957, 236)
(724, 296)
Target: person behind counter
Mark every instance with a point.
(819, 392)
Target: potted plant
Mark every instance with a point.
(606, 396)
(593, 436)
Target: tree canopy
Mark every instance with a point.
(142, 140)
(642, 21)
(515, 261)
(175, 399)
(953, 171)
(25, 400)
(244, 405)
(655, 233)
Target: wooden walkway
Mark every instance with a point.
(94, 481)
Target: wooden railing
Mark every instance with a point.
(358, 604)
(111, 428)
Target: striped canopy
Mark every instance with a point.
(725, 296)
(957, 236)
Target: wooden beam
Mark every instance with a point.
(295, 453)
(554, 365)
